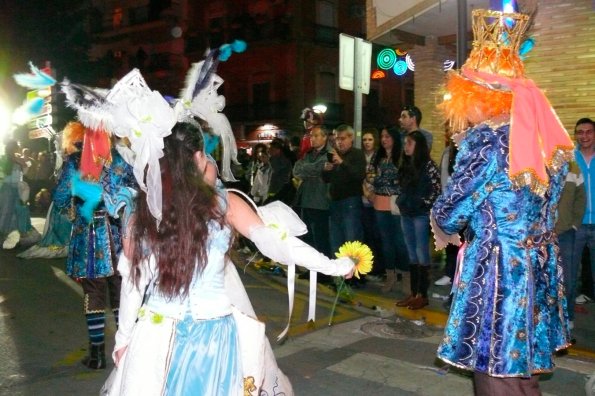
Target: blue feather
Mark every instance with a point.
(90, 193)
(34, 106)
(224, 52)
(239, 46)
(34, 80)
(526, 47)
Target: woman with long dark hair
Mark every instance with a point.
(385, 165)
(186, 328)
(419, 185)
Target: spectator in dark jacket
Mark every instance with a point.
(419, 183)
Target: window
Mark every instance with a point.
(261, 93)
(117, 18)
(327, 87)
(326, 13)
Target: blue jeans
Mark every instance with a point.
(585, 236)
(394, 251)
(417, 238)
(569, 266)
(346, 222)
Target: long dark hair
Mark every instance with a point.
(393, 131)
(412, 166)
(189, 204)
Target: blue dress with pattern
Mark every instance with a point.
(94, 247)
(509, 311)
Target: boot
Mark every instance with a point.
(391, 279)
(421, 300)
(96, 358)
(413, 275)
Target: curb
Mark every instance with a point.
(382, 306)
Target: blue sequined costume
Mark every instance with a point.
(94, 247)
(509, 311)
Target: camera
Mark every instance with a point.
(329, 157)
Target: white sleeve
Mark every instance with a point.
(131, 298)
(288, 250)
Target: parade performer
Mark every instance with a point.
(92, 172)
(310, 119)
(56, 234)
(15, 218)
(508, 314)
(176, 250)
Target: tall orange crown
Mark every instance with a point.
(496, 40)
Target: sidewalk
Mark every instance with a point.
(371, 301)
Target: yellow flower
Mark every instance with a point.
(360, 254)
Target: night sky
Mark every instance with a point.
(35, 30)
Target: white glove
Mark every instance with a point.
(285, 249)
(131, 298)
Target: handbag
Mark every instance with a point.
(394, 208)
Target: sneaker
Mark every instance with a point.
(445, 280)
(582, 299)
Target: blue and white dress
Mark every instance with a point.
(185, 345)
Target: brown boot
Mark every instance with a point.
(391, 279)
(418, 302)
(406, 301)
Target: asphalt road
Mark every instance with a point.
(43, 337)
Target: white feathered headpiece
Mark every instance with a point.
(145, 118)
(199, 98)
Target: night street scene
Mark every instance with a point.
(282, 197)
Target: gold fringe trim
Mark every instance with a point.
(528, 177)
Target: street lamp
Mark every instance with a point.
(319, 108)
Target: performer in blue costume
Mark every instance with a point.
(15, 219)
(56, 234)
(509, 311)
(95, 241)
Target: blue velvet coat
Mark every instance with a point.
(95, 246)
(509, 312)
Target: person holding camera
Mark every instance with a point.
(345, 172)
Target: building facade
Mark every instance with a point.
(291, 63)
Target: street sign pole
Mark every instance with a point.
(354, 75)
(357, 91)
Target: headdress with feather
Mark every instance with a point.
(199, 98)
(92, 111)
(145, 118)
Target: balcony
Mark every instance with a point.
(326, 35)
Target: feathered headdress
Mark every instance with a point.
(200, 99)
(145, 118)
(93, 112)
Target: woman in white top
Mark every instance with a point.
(178, 331)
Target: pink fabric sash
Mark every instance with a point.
(536, 133)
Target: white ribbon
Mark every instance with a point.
(146, 120)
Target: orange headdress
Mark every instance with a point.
(492, 83)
